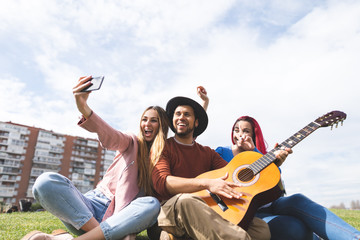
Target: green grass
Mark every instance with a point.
(15, 225)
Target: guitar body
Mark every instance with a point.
(258, 190)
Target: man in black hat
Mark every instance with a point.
(184, 215)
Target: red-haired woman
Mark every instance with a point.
(291, 217)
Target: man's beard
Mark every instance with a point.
(184, 134)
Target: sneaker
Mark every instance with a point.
(58, 234)
(166, 236)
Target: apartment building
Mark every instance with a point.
(26, 152)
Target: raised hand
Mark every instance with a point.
(81, 97)
(201, 91)
(244, 142)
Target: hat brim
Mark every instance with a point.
(199, 111)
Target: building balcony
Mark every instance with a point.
(4, 134)
(51, 162)
(16, 157)
(9, 170)
(10, 165)
(7, 192)
(38, 171)
(13, 151)
(5, 178)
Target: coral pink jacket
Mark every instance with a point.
(120, 181)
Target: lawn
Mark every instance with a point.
(15, 225)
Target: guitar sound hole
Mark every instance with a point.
(245, 175)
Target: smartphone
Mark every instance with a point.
(95, 84)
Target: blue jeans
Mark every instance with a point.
(59, 196)
(297, 217)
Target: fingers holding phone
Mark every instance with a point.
(88, 84)
(95, 84)
(81, 83)
(82, 90)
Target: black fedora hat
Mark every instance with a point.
(199, 111)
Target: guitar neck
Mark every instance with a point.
(270, 157)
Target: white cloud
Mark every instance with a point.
(285, 85)
(283, 63)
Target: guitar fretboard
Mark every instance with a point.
(270, 157)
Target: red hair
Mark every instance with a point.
(258, 138)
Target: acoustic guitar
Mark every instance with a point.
(258, 176)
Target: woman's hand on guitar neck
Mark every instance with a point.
(281, 155)
(224, 188)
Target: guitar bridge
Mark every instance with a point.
(218, 201)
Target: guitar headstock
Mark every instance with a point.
(331, 118)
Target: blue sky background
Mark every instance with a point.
(283, 62)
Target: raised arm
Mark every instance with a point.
(81, 97)
(109, 137)
(201, 91)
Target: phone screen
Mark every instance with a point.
(95, 84)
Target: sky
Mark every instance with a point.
(285, 63)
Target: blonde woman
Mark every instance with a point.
(121, 204)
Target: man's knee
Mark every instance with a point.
(259, 229)
(186, 199)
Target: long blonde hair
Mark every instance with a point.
(149, 153)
